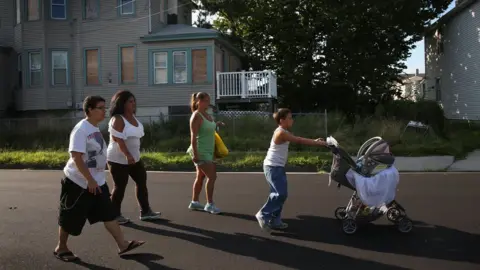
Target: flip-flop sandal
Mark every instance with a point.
(66, 256)
(133, 245)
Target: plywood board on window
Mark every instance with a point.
(199, 66)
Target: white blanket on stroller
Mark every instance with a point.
(378, 190)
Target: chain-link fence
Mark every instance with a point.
(243, 131)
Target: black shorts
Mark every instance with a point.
(78, 204)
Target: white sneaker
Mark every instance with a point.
(196, 206)
(211, 208)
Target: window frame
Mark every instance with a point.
(99, 65)
(64, 9)
(121, 5)
(170, 73)
(155, 67)
(40, 70)
(192, 66)
(180, 52)
(67, 68)
(27, 14)
(84, 10)
(120, 64)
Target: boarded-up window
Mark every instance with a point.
(199, 66)
(33, 10)
(128, 64)
(91, 9)
(93, 77)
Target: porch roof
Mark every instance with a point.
(176, 32)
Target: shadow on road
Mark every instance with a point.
(148, 259)
(265, 249)
(91, 266)
(425, 240)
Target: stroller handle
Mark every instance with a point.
(334, 146)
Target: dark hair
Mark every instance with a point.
(91, 102)
(117, 105)
(195, 98)
(281, 114)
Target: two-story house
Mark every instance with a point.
(68, 49)
(452, 61)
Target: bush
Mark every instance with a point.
(425, 111)
(253, 133)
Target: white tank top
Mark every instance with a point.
(131, 135)
(277, 154)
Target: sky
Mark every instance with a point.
(416, 59)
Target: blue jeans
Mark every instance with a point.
(277, 180)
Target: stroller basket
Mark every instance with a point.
(341, 163)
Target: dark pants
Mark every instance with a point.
(120, 174)
(77, 205)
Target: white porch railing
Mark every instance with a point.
(247, 84)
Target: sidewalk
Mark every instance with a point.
(439, 163)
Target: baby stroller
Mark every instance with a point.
(373, 179)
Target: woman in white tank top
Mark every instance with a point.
(269, 216)
(123, 155)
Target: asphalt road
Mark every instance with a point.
(443, 206)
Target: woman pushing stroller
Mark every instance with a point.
(269, 216)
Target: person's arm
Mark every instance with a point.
(118, 125)
(195, 123)
(78, 148)
(282, 136)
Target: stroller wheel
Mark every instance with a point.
(341, 213)
(393, 214)
(405, 225)
(349, 226)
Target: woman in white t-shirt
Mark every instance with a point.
(85, 194)
(123, 155)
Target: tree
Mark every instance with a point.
(327, 53)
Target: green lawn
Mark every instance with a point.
(155, 161)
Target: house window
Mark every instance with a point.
(18, 14)
(60, 67)
(19, 70)
(438, 92)
(160, 67)
(35, 68)
(180, 67)
(199, 65)
(58, 9)
(92, 67)
(33, 10)
(126, 7)
(127, 71)
(91, 9)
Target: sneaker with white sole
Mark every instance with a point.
(197, 206)
(211, 208)
(150, 215)
(122, 220)
(263, 225)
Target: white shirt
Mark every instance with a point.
(277, 154)
(87, 139)
(131, 135)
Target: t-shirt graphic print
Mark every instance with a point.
(87, 139)
(92, 154)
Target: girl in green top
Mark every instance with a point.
(202, 147)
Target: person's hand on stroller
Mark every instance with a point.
(321, 142)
